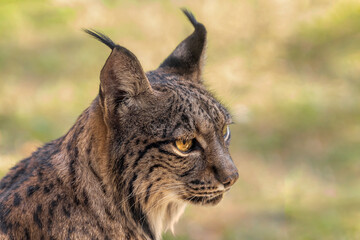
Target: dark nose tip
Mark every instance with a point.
(226, 175)
(230, 180)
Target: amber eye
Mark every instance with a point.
(183, 144)
(226, 132)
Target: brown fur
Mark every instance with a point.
(117, 173)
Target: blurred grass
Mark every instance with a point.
(288, 70)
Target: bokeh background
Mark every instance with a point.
(289, 71)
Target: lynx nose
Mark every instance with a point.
(230, 180)
(226, 172)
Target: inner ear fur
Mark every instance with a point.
(188, 57)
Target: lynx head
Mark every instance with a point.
(167, 136)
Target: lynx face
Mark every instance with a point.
(186, 136)
(149, 144)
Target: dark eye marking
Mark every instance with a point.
(168, 153)
(147, 148)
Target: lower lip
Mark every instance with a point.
(205, 200)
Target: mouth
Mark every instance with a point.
(212, 199)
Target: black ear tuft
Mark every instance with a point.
(187, 58)
(190, 16)
(101, 37)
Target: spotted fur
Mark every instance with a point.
(117, 173)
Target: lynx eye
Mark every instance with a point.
(226, 132)
(184, 145)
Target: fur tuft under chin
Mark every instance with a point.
(164, 217)
(174, 210)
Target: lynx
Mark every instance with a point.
(149, 144)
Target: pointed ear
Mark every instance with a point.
(187, 58)
(122, 79)
(122, 76)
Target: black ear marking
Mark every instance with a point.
(187, 58)
(190, 16)
(101, 37)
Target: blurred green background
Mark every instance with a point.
(289, 71)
